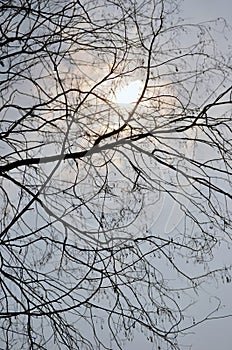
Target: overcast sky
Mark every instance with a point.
(215, 334)
(201, 10)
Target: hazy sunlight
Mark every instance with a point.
(128, 94)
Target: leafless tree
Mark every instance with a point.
(115, 171)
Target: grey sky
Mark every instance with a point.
(217, 334)
(214, 334)
(202, 10)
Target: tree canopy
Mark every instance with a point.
(115, 171)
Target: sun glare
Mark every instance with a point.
(129, 93)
